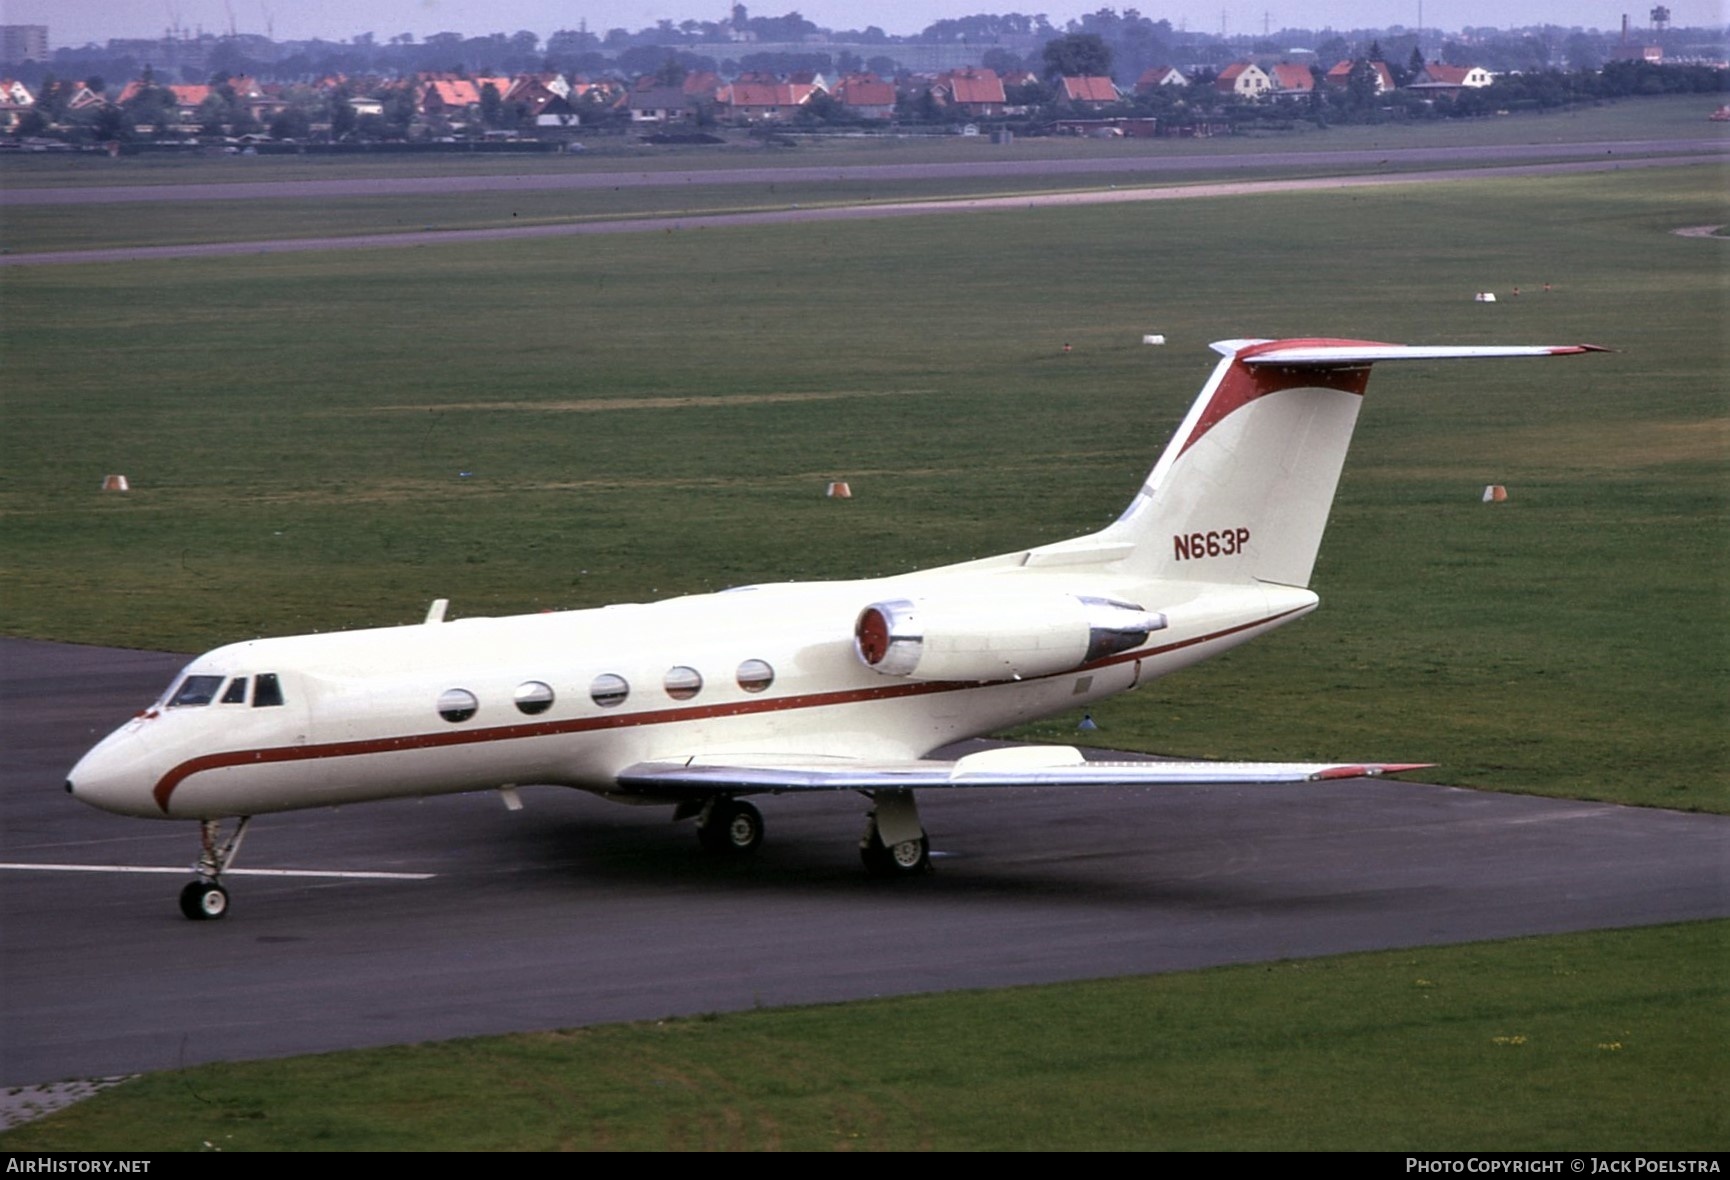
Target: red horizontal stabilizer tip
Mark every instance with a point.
(1576, 349)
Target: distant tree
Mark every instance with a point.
(1332, 52)
(151, 105)
(1032, 93)
(52, 95)
(1361, 86)
(399, 111)
(212, 115)
(672, 72)
(822, 108)
(790, 27)
(1077, 55)
(290, 123)
(1584, 51)
(1004, 61)
(106, 123)
(492, 106)
(342, 117)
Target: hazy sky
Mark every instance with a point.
(75, 22)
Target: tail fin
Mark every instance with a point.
(1244, 488)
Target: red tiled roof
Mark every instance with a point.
(1447, 75)
(458, 92)
(976, 86)
(866, 92)
(768, 94)
(1089, 89)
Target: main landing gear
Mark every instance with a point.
(205, 899)
(730, 826)
(894, 843)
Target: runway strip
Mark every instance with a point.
(582, 176)
(576, 911)
(889, 209)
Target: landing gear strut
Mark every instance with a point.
(205, 899)
(730, 826)
(894, 843)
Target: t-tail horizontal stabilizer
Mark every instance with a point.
(1243, 490)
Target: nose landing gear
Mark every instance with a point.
(202, 900)
(205, 899)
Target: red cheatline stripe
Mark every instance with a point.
(166, 785)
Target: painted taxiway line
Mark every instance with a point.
(183, 871)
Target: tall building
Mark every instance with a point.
(23, 43)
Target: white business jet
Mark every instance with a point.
(696, 702)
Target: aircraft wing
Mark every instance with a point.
(1012, 766)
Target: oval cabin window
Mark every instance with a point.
(755, 675)
(458, 704)
(609, 690)
(683, 683)
(533, 697)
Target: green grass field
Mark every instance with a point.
(654, 414)
(1611, 1041)
(295, 429)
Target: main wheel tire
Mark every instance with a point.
(204, 901)
(733, 827)
(906, 859)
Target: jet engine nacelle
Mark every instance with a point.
(996, 637)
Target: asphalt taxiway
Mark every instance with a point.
(577, 911)
(1600, 158)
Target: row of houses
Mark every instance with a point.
(549, 100)
(1250, 81)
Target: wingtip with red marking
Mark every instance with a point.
(1371, 770)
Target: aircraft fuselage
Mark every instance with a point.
(573, 697)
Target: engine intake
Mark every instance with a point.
(997, 637)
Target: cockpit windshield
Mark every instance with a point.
(195, 690)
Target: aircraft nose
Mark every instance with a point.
(115, 776)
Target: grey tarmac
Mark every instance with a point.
(576, 911)
(1688, 153)
(604, 175)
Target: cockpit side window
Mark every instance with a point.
(195, 690)
(267, 692)
(236, 694)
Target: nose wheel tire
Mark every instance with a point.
(732, 827)
(204, 901)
